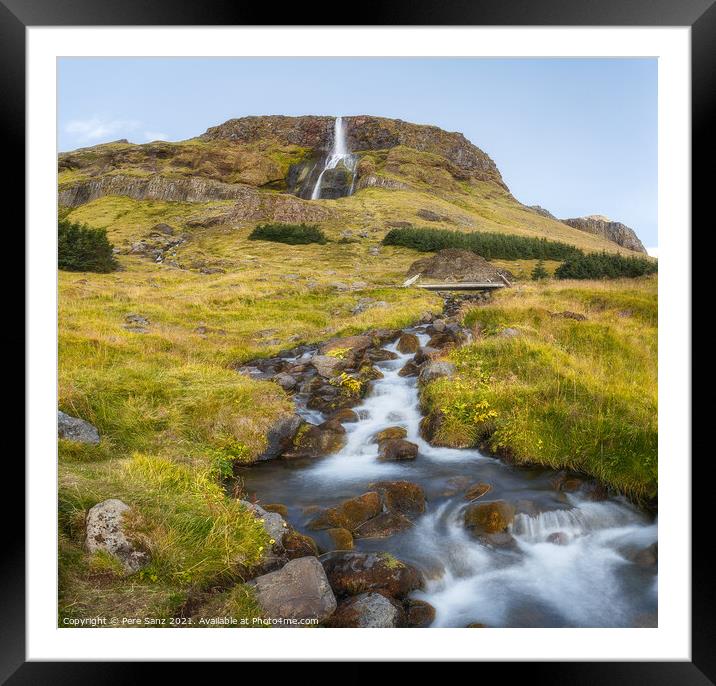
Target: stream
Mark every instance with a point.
(591, 579)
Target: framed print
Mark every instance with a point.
(383, 331)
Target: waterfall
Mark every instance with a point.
(339, 154)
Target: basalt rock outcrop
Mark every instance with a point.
(613, 231)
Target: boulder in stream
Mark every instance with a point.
(341, 538)
(317, 440)
(280, 435)
(354, 573)
(437, 370)
(299, 590)
(350, 514)
(408, 343)
(368, 611)
(396, 449)
(420, 614)
(391, 433)
(404, 497)
(383, 525)
(489, 517)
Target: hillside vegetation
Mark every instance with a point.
(563, 375)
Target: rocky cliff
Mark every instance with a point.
(613, 231)
(363, 133)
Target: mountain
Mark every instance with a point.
(265, 168)
(616, 232)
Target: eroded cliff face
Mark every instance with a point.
(363, 133)
(613, 231)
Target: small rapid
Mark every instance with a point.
(570, 561)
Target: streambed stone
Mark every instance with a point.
(397, 449)
(354, 573)
(404, 497)
(368, 611)
(489, 517)
(299, 590)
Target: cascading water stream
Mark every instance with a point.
(339, 155)
(586, 577)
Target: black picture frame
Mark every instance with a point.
(700, 15)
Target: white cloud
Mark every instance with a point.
(654, 252)
(155, 136)
(95, 129)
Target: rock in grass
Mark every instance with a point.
(353, 573)
(437, 370)
(75, 429)
(368, 611)
(280, 436)
(274, 524)
(490, 517)
(105, 531)
(299, 590)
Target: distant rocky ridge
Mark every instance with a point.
(613, 231)
(363, 133)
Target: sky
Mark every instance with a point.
(576, 136)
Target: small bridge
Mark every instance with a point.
(457, 285)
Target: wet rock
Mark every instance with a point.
(75, 429)
(437, 370)
(352, 347)
(277, 507)
(430, 427)
(558, 538)
(408, 343)
(354, 573)
(404, 497)
(390, 433)
(327, 366)
(643, 557)
(501, 539)
(297, 544)
(381, 355)
(341, 538)
(567, 483)
(397, 449)
(439, 325)
(286, 381)
(299, 590)
(368, 610)
(368, 372)
(350, 514)
(383, 525)
(317, 440)
(345, 416)
(105, 531)
(424, 354)
(420, 614)
(409, 369)
(280, 436)
(489, 517)
(477, 490)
